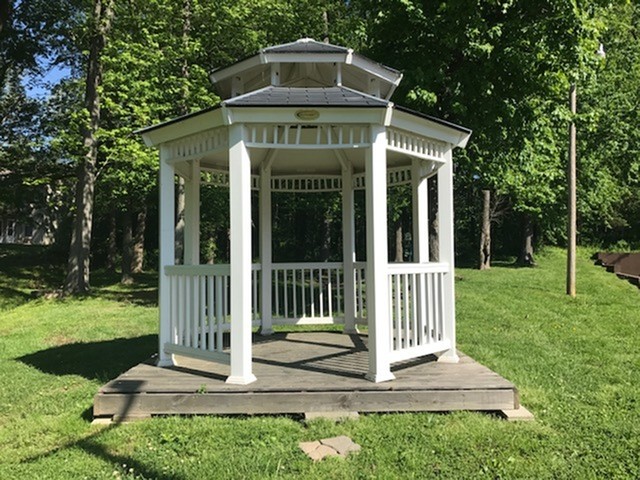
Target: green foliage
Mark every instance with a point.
(500, 67)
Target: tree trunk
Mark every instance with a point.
(77, 280)
(183, 109)
(325, 252)
(137, 258)
(526, 252)
(399, 246)
(485, 233)
(434, 231)
(112, 246)
(127, 247)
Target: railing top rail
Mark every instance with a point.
(430, 267)
(305, 265)
(218, 269)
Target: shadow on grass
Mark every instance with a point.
(100, 361)
(93, 445)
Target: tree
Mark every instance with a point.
(77, 280)
(502, 69)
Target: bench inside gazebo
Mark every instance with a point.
(306, 117)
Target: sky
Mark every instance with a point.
(39, 86)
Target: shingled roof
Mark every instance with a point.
(305, 97)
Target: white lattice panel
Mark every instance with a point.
(415, 145)
(307, 136)
(198, 144)
(306, 184)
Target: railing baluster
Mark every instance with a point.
(254, 292)
(441, 305)
(391, 310)
(430, 309)
(188, 305)
(329, 291)
(304, 290)
(173, 287)
(182, 297)
(294, 293)
(195, 310)
(424, 316)
(398, 317)
(339, 287)
(210, 307)
(405, 298)
(203, 312)
(361, 293)
(321, 289)
(414, 311)
(275, 291)
(219, 304)
(311, 294)
(285, 284)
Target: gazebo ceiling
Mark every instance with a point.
(300, 162)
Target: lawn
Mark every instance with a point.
(575, 361)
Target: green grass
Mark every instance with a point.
(575, 361)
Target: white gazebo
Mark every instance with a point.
(306, 117)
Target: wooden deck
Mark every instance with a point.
(305, 372)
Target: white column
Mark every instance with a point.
(167, 253)
(446, 254)
(420, 205)
(265, 249)
(377, 257)
(240, 212)
(348, 249)
(192, 215)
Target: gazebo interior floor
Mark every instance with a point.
(304, 372)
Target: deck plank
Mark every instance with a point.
(303, 372)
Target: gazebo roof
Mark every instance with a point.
(307, 63)
(320, 90)
(305, 97)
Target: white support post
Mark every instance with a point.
(192, 215)
(377, 257)
(348, 249)
(420, 204)
(167, 253)
(265, 249)
(446, 254)
(240, 212)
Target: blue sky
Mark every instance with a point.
(40, 85)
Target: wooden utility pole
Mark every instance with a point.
(572, 226)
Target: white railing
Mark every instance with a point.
(416, 302)
(308, 293)
(200, 309)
